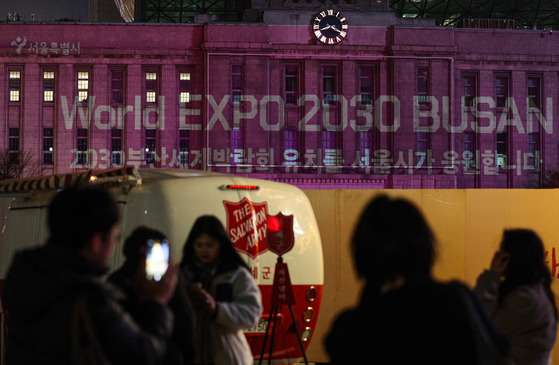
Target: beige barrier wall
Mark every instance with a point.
(468, 225)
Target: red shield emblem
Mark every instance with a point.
(280, 236)
(246, 225)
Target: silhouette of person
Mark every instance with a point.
(404, 316)
(181, 349)
(516, 292)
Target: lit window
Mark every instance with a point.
(14, 95)
(184, 87)
(83, 86)
(48, 86)
(151, 87)
(15, 85)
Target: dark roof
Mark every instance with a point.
(531, 14)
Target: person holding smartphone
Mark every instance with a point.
(147, 257)
(224, 294)
(61, 311)
(516, 293)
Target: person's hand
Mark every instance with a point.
(201, 298)
(158, 291)
(500, 261)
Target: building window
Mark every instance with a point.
(502, 149)
(13, 144)
(291, 84)
(329, 84)
(366, 85)
(422, 147)
(422, 85)
(236, 147)
(117, 86)
(534, 92)
(533, 160)
(332, 155)
(48, 146)
(502, 90)
(184, 87)
(469, 153)
(48, 86)
(151, 147)
(470, 89)
(151, 87)
(116, 147)
(236, 83)
(365, 149)
(184, 147)
(291, 147)
(15, 86)
(83, 86)
(82, 145)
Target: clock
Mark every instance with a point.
(330, 26)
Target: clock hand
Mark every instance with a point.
(336, 29)
(328, 26)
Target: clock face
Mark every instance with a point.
(330, 26)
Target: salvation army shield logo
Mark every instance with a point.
(280, 236)
(246, 226)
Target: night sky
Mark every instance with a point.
(46, 10)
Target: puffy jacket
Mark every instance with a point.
(41, 288)
(525, 316)
(239, 306)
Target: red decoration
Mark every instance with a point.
(282, 292)
(280, 237)
(246, 226)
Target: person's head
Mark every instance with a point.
(526, 261)
(208, 242)
(135, 243)
(84, 217)
(392, 239)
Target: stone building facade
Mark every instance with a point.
(391, 104)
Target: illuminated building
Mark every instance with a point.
(383, 102)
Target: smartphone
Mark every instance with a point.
(157, 258)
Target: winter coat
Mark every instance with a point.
(421, 322)
(525, 316)
(42, 288)
(239, 306)
(180, 348)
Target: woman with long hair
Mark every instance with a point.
(224, 294)
(516, 292)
